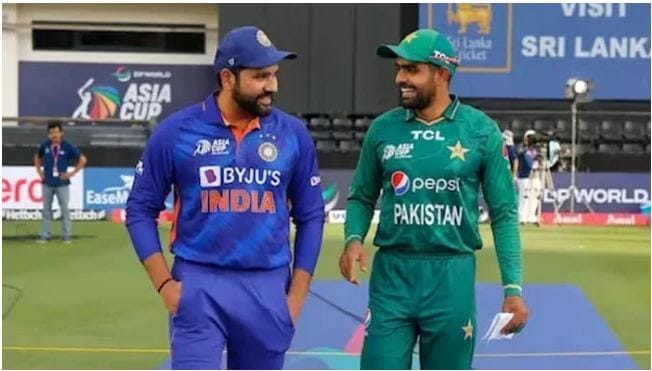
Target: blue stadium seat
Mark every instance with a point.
(362, 123)
(609, 148)
(320, 123)
(343, 135)
(634, 132)
(542, 125)
(342, 123)
(581, 149)
(563, 130)
(349, 145)
(588, 130)
(320, 135)
(634, 148)
(611, 131)
(326, 146)
(519, 127)
(503, 123)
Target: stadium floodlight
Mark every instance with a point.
(578, 90)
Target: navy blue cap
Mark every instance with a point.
(248, 47)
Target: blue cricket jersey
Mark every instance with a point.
(234, 195)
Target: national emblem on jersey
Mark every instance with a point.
(268, 151)
(457, 151)
(400, 182)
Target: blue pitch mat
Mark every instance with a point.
(562, 322)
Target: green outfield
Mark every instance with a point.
(89, 305)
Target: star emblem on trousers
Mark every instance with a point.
(468, 330)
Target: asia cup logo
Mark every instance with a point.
(97, 102)
(106, 100)
(138, 96)
(400, 182)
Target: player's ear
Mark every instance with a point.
(442, 74)
(227, 79)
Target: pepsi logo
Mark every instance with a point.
(400, 182)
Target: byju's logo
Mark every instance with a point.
(210, 176)
(400, 182)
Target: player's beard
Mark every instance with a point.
(421, 100)
(251, 104)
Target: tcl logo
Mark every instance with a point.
(21, 190)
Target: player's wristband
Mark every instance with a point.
(351, 238)
(163, 284)
(513, 290)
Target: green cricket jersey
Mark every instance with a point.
(430, 177)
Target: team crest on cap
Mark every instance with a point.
(263, 39)
(267, 151)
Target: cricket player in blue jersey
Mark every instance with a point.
(240, 169)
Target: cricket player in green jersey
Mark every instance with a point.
(429, 157)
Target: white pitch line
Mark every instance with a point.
(325, 354)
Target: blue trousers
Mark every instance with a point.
(245, 311)
(63, 195)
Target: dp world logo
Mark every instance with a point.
(400, 182)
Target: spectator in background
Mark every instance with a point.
(522, 169)
(508, 138)
(52, 160)
(554, 152)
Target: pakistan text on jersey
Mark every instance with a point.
(428, 214)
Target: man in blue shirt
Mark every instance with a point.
(52, 160)
(525, 163)
(240, 170)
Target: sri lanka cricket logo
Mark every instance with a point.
(467, 14)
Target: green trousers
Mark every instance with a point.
(424, 297)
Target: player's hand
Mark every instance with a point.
(41, 174)
(294, 305)
(171, 293)
(354, 252)
(516, 305)
(65, 176)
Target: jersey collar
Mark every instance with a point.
(211, 113)
(449, 112)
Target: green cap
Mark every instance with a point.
(423, 46)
